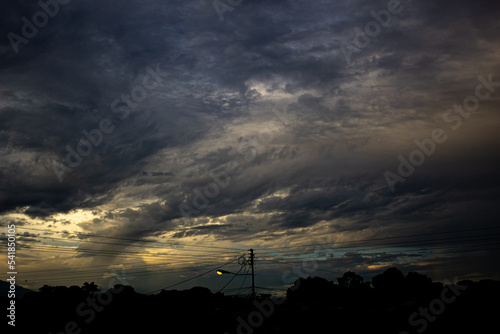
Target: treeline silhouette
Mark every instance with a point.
(390, 303)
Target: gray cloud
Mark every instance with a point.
(349, 121)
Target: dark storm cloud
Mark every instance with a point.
(351, 121)
(78, 64)
(200, 230)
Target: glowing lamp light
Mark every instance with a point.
(221, 272)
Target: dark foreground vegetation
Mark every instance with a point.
(392, 303)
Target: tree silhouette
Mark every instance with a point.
(350, 280)
(312, 303)
(90, 288)
(46, 289)
(390, 280)
(416, 281)
(310, 290)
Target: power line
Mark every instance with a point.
(176, 258)
(192, 278)
(470, 248)
(275, 289)
(385, 238)
(232, 278)
(90, 235)
(114, 253)
(441, 240)
(419, 243)
(140, 246)
(53, 273)
(299, 246)
(93, 273)
(244, 278)
(292, 263)
(128, 273)
(83, 269)
(133, 270)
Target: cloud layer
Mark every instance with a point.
(262, 114)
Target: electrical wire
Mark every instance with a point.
(458, 244)
(192, 278)
(232, 278)
(386, 238)
(244, 278)
(90, 235)
(141, 246)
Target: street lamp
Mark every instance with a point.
(243, 262)
(222, 272)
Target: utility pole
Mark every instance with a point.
(253, 277)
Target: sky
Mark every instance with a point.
(155, 141)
